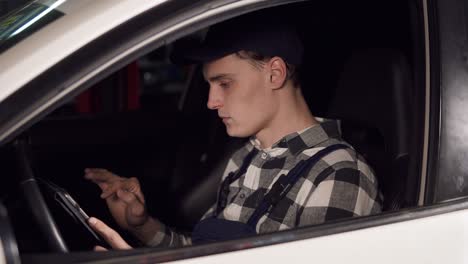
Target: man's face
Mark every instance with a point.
(241, 94)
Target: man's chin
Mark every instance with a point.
(235, 133)
(230, 132)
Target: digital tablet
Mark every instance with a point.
(72, 208)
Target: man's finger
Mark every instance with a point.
(95, 170)
(103, 186)
(109, 234)
(99, 248)
(136, 206)
(136, 189)
(111, 189)
(100, 175)
(126, 196)
(130, 185)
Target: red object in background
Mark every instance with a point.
(133, 86)
(83, 102)
(124, 93)
(88, 101)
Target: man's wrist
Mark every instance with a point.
(147, 231)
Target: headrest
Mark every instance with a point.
(373, 90)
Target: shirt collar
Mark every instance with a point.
(299, 141)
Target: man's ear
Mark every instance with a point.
(278, 72)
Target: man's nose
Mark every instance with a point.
(215, 99)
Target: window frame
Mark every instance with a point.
(447, 177)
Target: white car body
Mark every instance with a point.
(65, 36)
(431, 240)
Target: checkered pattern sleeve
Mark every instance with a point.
(337, 193)
(166, 237)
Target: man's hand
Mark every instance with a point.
(123, 196)
(110, 235)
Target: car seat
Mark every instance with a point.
(372, 101)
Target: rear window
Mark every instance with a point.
(24, 21)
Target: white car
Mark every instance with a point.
(89, 83)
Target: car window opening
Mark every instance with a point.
(149, 120)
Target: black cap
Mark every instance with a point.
(267, 37)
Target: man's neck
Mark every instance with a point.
(293, 115)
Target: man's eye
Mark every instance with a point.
(224, 85)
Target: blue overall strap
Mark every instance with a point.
(285, 182)
(232, 177)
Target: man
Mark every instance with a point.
(294, 171)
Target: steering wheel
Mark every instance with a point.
(36, 202)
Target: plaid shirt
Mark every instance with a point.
(339, 185)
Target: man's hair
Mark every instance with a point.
(258, 61)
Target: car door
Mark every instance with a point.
(419, 233)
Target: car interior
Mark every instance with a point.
(363, 65)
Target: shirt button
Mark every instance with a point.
(242, 196)
(264, 155)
